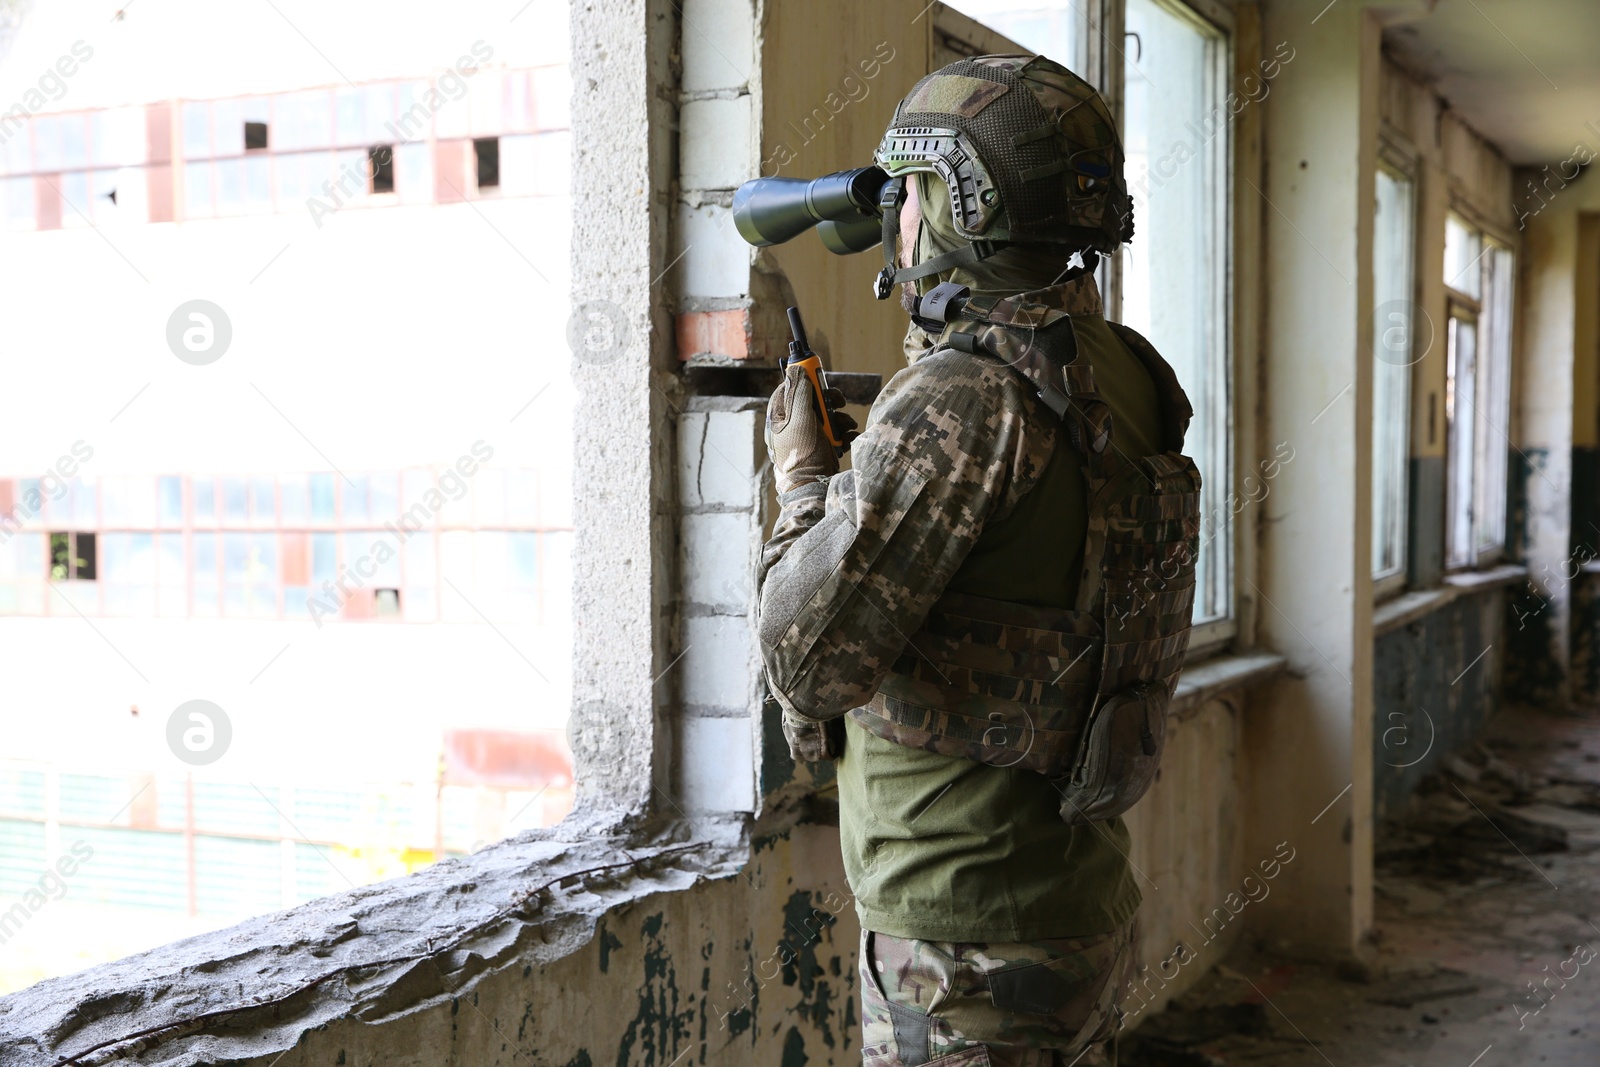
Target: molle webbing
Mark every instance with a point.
(1001, 683)
(1015, 686)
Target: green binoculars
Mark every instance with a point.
(842, 206)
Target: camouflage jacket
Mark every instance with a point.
(855, 563)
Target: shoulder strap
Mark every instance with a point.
(1176, 411)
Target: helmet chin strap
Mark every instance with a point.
(889, 201)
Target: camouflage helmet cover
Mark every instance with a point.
(1028, 150)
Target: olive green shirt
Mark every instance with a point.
(962, 482)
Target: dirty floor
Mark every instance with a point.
(1488, 902)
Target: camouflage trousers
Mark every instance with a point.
(976, 1004)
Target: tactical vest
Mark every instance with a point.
(1079, 695)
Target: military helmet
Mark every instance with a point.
(1028, 151)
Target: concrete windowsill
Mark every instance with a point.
(1224, 674)
(376, 952)
(1409, 607)
(1494, 577)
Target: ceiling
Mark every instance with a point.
(1524, 73)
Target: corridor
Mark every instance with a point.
(1488, 892)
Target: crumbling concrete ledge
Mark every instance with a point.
(372, 954)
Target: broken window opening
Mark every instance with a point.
(487, 152)
(72, 557)
(380, 159)
(255, 136)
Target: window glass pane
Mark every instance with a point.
(294, 498)
(422, 568)
(354, 497)
(75, 140)
(1394, 329)
(75, 206)
(258, 184)
(1050, 29)
(487, 100)
(455, 568)
(205, 500)
(169, 560)
(16, 152)
(490, 488)
(20, 203)
(1174, 274)
(299, 176)
(1461, 356)
(322, 497)
(197, 190)
(203, 574)
(412, 119)
(169, 494)
(413, 173)
(302, 120)
(85, 502)
(350, 174)
(1494, 401)
(384, 492)
(263, 501)
(128, 502)
(228, 115)
(1463, 253)
(524, 570)
(235, 501)
(324, 558)
(380, 113)
(349, 110)
(71, 144)
(519, 102)
(48, 154)
(197, 130)
(522, 497)
(230, 186)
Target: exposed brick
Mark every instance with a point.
(717, 333)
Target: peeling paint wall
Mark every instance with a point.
(1436, 682)
(754, 969)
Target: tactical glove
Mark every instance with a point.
(799, 449)
(811, 741)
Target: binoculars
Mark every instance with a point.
(842, 206)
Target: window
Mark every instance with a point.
(268, 547)
(72, 556)
(1478, 276)
(1394, 312)
(1174, 275)
(381, 161)
(486, 150)
(1054, 30)
(256, 155)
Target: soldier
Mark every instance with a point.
(984, 620)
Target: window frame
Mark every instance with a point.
(1217, 21)
(1461, 305)
(1399, 163)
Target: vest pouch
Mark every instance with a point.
(1118, 757)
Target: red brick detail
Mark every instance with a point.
(715, 333)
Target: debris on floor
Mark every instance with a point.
(1487, 903)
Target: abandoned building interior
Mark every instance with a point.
(1368, 239)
